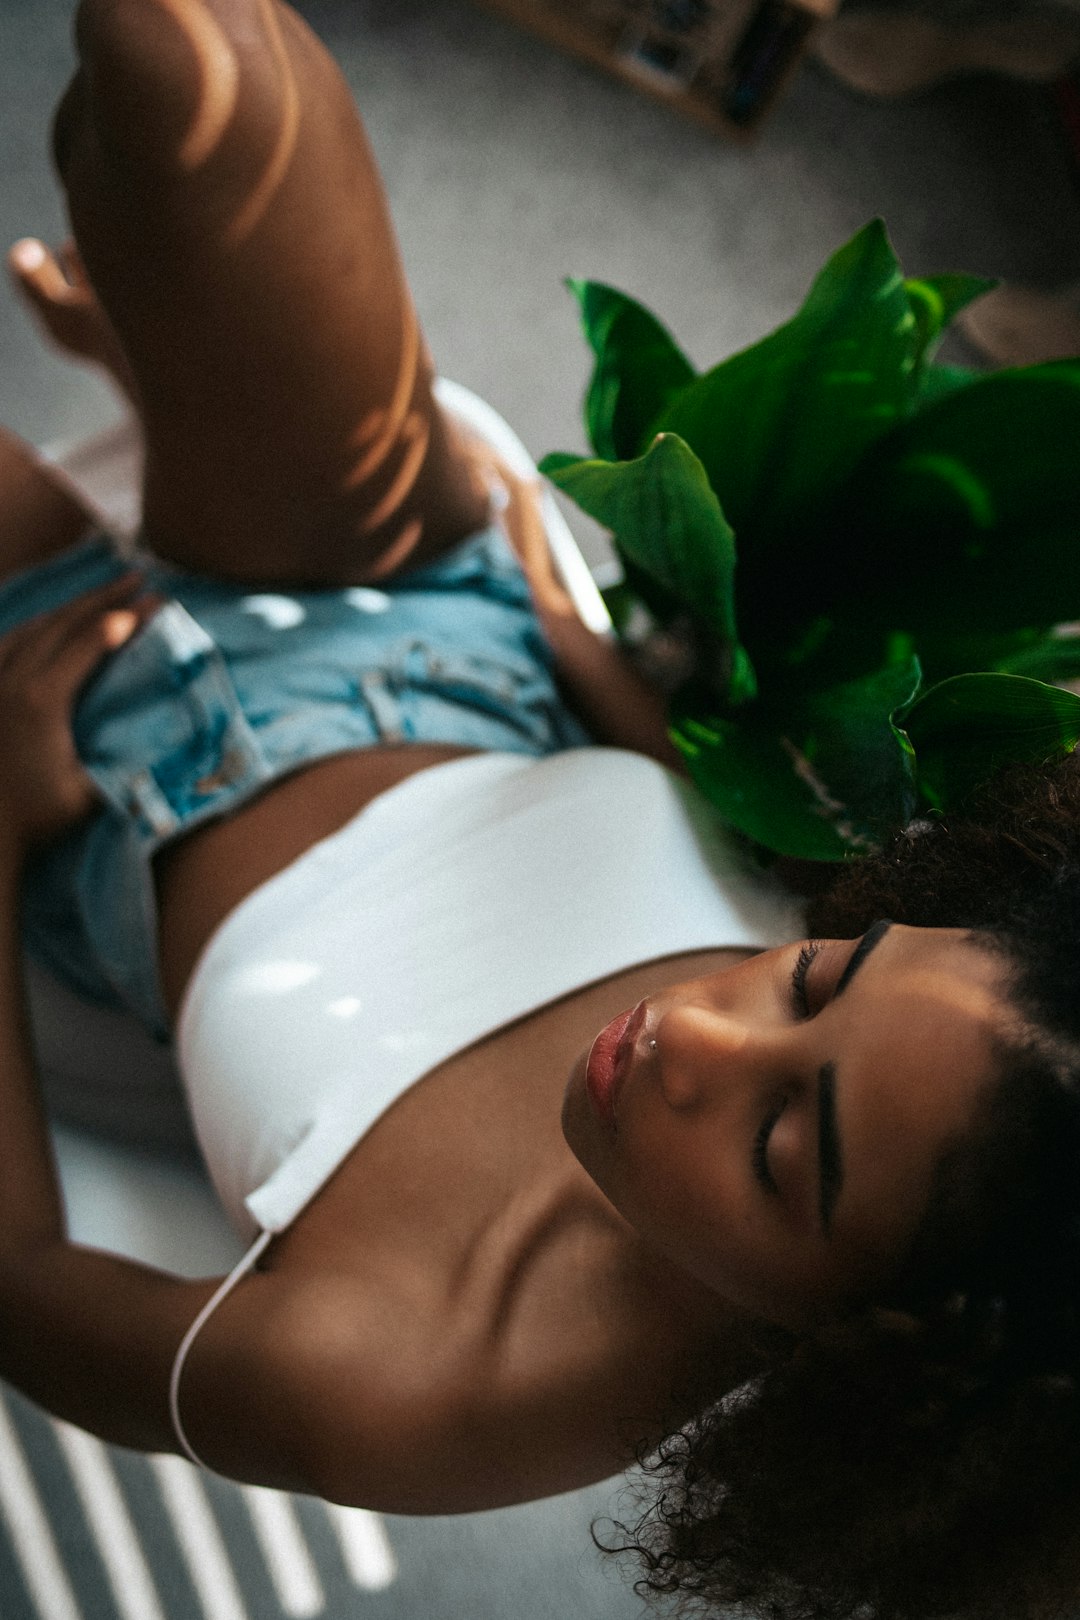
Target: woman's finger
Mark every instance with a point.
(85, 609)
(38, 640)
(38, 271)
(93, 640)
(72, 265)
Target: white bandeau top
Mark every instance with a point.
(465, 897)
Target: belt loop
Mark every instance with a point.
(151, 805)
(383, 705)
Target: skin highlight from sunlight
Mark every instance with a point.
(395, 553)
(378, 431)
(219, 74)
(974, 1001)
(245, 221)
(415, 436)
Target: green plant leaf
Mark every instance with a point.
(1053, 657)
(963, 729)
(968, 514)
(960, 649)
(819, 776)
(885, 505)
(638, 368)
(666, 523)
(938, 381)
(621, 601)
(780, 425)
(935, 300)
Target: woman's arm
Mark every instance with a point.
(613, 700)
(290, 1375)
(86, 1334)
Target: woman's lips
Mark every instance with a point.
(609, 1059)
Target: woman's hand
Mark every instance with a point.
(57, 288)
(44, 663)
(616, 704)
(517, 502)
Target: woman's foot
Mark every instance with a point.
(892, 54)
(1014, 326)
(58, 291)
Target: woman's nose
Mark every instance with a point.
(697, 1048)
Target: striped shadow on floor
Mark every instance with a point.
(89, 1532)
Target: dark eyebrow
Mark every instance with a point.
(873, 936)
(830, 1165)
(830, 1162)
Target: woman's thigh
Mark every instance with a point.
(228, 208)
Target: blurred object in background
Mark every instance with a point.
(720, 62)
(894, 50)
(1018, 326)
(890, 51)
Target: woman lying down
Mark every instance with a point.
(545, 1163)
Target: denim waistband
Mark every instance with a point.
(227, 688)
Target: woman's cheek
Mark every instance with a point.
(791, 1160)
(707, 1199)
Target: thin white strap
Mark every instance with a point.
(240, 1270)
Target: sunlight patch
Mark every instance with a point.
(367, 600)
(271, 978)
(344, 1007)
(279, 612)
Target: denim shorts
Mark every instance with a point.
(227, 687)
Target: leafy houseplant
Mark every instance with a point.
(866, 553)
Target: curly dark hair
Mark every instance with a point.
(921, 1457)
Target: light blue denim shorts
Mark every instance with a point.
(228, 687)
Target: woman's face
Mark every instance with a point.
(774, 1128)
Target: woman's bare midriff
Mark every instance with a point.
(206, 874)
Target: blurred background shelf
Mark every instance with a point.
(720, 62)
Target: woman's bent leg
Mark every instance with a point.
(38, 517)
(229, 213)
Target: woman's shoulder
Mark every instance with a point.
(498, 1334)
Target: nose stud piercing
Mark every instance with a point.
(652, 1045)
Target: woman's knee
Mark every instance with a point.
(161, 80)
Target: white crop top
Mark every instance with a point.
(459, 900)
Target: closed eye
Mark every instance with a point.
(800, 999)
(760, 1155)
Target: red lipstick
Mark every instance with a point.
(610, 1058)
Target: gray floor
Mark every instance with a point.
(509, 168)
